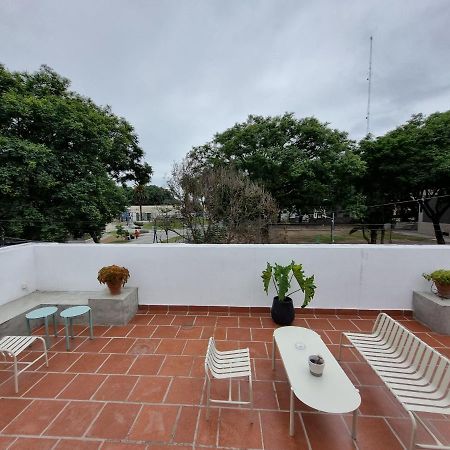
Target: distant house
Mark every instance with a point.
(150, 212)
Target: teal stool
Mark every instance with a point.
(43, 313)
(68, 315)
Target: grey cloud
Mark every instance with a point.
(180, 71)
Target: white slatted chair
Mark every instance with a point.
(12, 346)
(417, 375)
(227, 365)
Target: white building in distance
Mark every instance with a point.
(150, 212)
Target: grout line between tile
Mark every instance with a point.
(67, 368)
(175, 425)
(261, 435)
(197, 425)
(100, 385)
(167, 390)
(219, 418)
(88, 428)
(302, 422)
(18, 415)
(34, 384)
(393, 432)
(135, 420)
(51, 422)
(138, 377)
(276, 396)
(11, 443)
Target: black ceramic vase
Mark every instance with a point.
(283, 313)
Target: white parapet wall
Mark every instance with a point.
(17, 272)
(347, 276)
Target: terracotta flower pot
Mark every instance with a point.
(443, 290)
(114, 287)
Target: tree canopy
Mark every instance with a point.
(221, 205)
(62, 158)
(149, 195)
(411, 162)
(303, 163)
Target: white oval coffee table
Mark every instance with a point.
(333, 392)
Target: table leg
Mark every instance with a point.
(355, 416)
(47, 336)
(55, 330)
(291, 414)
(71, 327)
(66, 328)
(28, 327)
(91, 326)
(273, 352)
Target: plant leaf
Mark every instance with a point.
(281, 275)
(309, 289)
(266, 277)
(299, 275)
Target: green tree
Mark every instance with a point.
(61, 159)
(303, 163)
(139, 195)
(157, 195)
(410, 162)
(152, 195)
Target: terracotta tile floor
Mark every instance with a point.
(141, 386)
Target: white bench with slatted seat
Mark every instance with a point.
(227, 365)
(416, 374)
(13, 346)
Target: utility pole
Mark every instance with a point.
(369, 79)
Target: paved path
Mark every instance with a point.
(147, 238)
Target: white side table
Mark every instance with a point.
(333, 392)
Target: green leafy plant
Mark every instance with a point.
(113, 274)
(121, 231)
(440, 276)
(281, 277)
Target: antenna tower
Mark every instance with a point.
(369, 79)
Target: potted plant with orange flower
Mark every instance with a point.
(114, 277)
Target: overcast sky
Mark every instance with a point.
(179, 71)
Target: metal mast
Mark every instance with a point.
(369, 79)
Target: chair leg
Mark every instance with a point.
(291, 413)
(46, 327)
(250, 387)
(412, 438)
(66, 328)
(45, 352)
(55, 329)
(354, 422)
(47, 333)
(16, 376)
(208, 395)
(273, 353)
(28, 327)
(91, 326)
